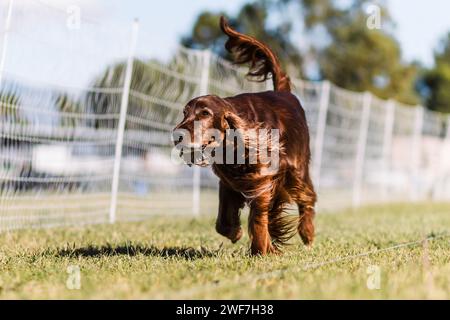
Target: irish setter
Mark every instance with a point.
(266, 192)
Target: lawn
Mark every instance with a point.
(180, 257)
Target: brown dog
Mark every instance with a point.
(266, 192)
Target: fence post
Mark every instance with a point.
(445, 175)
(320, 132)
(446, 156)
(439, 189)
(122, 122)
(5, 40)
(269, 84)
(416, 153)
(447, 134)
(387, 145)
(361, 151)
(203, 90)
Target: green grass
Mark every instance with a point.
(181, 257)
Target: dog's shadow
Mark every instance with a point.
(131, 250)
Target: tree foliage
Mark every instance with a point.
(354, 57)
(10, 113)
(357, 57)
(252, 19)
(10, 107)
(437, 79)
(148, 79)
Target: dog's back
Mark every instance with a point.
(278, 110)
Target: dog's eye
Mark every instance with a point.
(205, 113)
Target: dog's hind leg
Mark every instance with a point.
(302, 192)
(306, 223)
(282, 226)
(228, 221)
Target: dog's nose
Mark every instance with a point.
(178, 136)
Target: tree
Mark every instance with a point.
(150, 79)
(158, 93)
(355, 56)
(252, 19)
(206, 34)
(65, 104)
(10, 107)
(437, 80)
(11, 114)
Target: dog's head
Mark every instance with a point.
(204, 124)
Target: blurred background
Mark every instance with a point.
(90, 91)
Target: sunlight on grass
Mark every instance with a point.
(181, 257)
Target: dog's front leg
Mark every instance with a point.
(228, 221)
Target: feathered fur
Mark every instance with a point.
(262, 61)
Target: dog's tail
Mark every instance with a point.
(262, 60)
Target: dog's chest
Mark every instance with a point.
(241, 178)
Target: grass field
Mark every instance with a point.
(183, 258)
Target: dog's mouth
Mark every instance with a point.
(196, 152)
(211, 143)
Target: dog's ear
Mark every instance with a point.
(232, 121)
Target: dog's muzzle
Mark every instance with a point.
(194, 153)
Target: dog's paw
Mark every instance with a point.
(307, 240)
(236, 235)
(232, 233)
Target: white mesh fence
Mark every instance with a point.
(69, 117)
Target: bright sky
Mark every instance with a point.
(420, 25)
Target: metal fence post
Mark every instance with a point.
(203, 90)
(447, 134)
(361, 151)
(122, 122)
(416, 150)
(5, 40)
(320, 133)
(444, 159)
(269, 84)
(387, 145)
